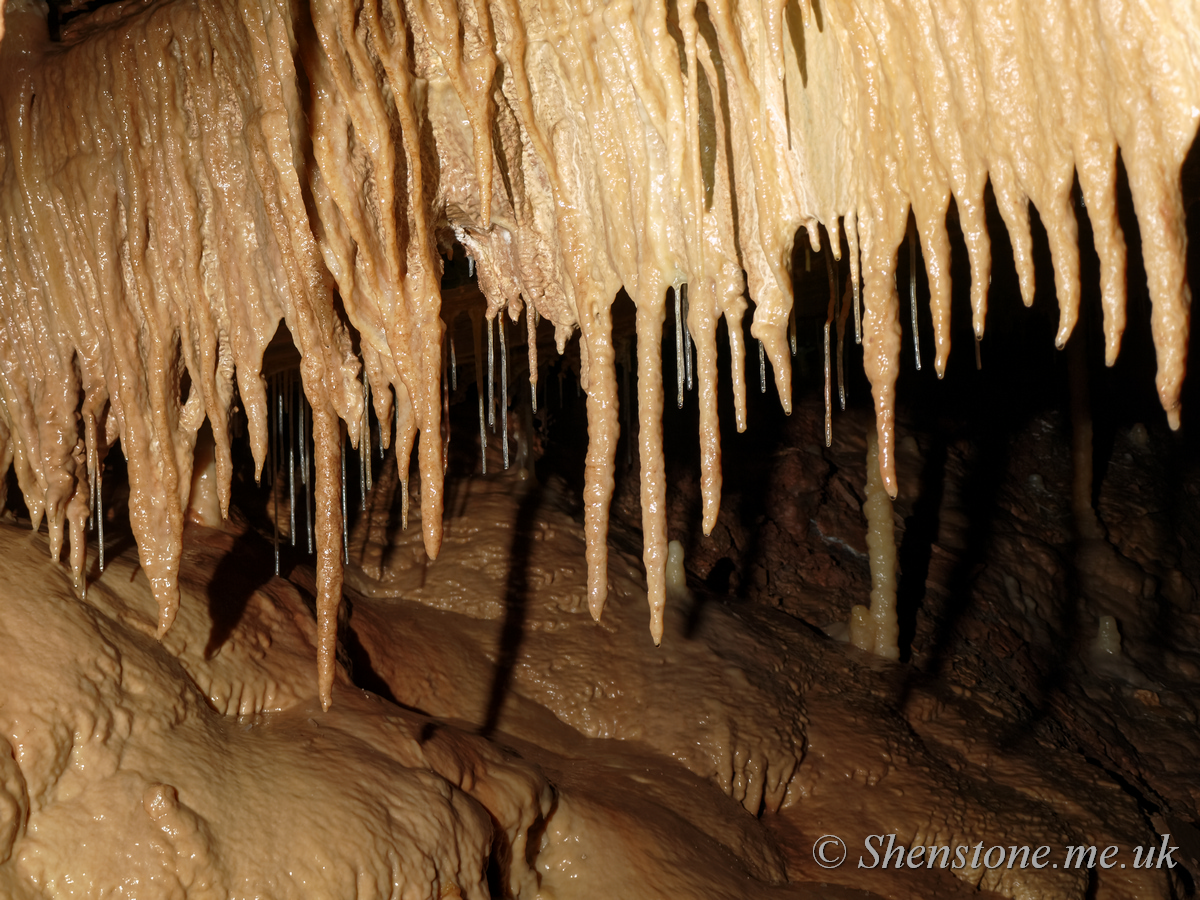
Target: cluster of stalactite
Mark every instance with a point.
(177, 178)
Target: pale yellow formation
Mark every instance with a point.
(177, 178)
(876, 629)
(1108, 637)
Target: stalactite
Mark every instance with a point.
(140, 244)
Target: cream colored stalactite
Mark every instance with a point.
(881, 219)
(1153, 61)
(881, 322)
(851, 225)
(1085, 92)
(649, 323)
(172, 261)
(42, 380)
(327, 369)
(925, 180)
(603, 428)
(40, 390)
(358, 235)
(1026, 109)
(380, 372)
(496, 271)
(632, 121)
(204, 326)
(406, 270)
(105, 213)
(675, 102)
(7, 438)
(948, 98)
(406, 436)
(277, 161)
(818, 149)
(649, 229)
(752, 257)
(594, 284)
(668, 221)
(119, 221)
(463, 41)
(238, 289)
(23, 374)
(763, 182)
(567, 90)
(425, 391)
(720, 252)
(71, 332)
(937, 108)
(949, 94)
(531, 329)
(704, 311)
(528, 179)
(611, 177)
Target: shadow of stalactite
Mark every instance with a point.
(240, 572)
(516, 599)
(362, 670)
(980, 493)
(916, 548)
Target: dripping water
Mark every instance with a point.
(364, 444)
(912, 293)
(762, 368)
(100, 512)
(500, 325)
(483, 434)
(841, 350)
(531, 319)
(689, 356)
(857, 295)
(445, 386)
(276, 408)
(291, 470)
(305, 461)
(679, 344)
(828, 389)
(404, 503)
(453, 371)
(345, 528)
(831, 312)
(491, 365)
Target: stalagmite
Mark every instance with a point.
(636, 147)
